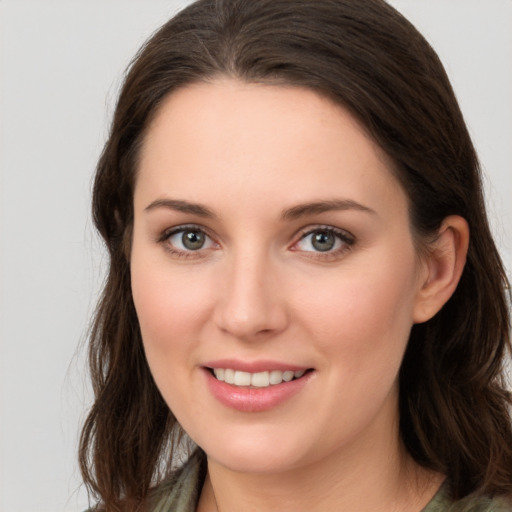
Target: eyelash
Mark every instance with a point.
(166, 235)
(347, 240)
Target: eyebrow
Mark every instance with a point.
(318, 207)
(293, 213)
(181, 206)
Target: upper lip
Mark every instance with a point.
(254, 366)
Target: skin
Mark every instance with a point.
(260, 290)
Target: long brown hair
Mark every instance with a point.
(454, 403)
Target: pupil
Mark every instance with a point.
(323, 241)
(193, 240)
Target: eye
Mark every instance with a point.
(324, 240)
(186, 239)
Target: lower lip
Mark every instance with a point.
(247, 399)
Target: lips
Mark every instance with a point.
(255, 387)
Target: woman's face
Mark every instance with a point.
(272, 242)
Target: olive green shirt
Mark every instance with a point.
(181, 494)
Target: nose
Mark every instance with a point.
(251, 304)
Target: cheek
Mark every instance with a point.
(170, 309)
(170, 306)
(364, 315)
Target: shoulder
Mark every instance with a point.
(443, 503)
(181, 491)
(482, 504)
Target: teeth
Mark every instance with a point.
(219, 373)
(229, 376)
(260, 380)
(257, 380)
(242, 379)
(276, 377)
(287, 376)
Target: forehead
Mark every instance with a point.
(262, 139)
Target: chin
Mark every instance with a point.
(255, 453)
(256, 463)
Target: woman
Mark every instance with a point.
(302, 276)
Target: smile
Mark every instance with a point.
(258, 390)
(257, 380)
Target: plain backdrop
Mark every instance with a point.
(61, 63)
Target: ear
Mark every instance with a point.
(441, 268)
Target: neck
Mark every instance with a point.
(375, 474)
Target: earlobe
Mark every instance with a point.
(443, 268)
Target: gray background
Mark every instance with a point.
(61, 63)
